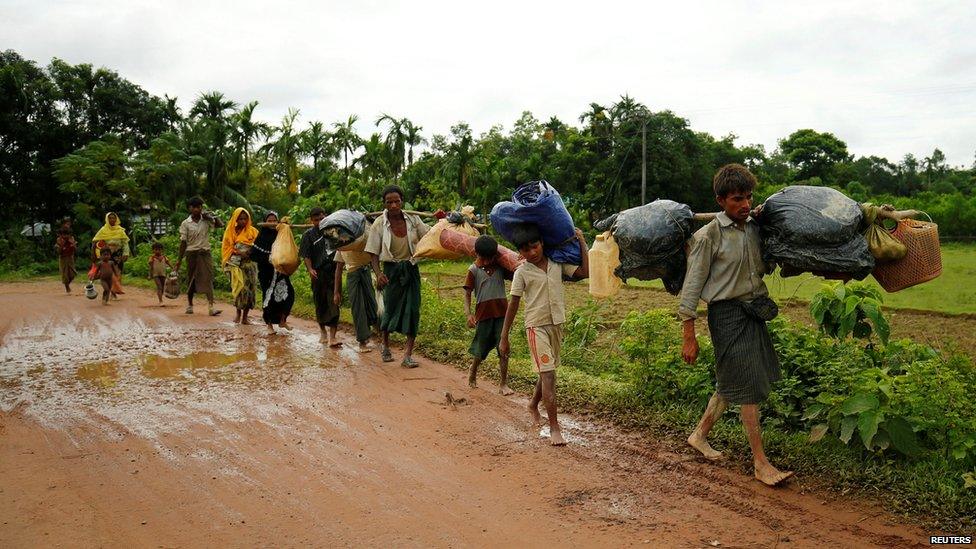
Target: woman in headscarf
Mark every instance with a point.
(276, 289)
(235, 254)
(113, 237)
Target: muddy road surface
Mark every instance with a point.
(135, 425)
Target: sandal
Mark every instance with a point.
(387, 355)
(409, 362)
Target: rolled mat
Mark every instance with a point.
(464, 244)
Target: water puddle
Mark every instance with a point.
(101, 374)
(158, 366)
(149, 376)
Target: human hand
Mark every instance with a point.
(471, 321)
(579, 235)
(381, 281)
(313, 273)
(757, 211)
(337, 298)
(125, 258)
(689, 350)
(504, 346)
(177, 267)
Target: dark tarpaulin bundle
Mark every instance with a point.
(342, 227)
(817, 230)
(539, 203)
(652, 242)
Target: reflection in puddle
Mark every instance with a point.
(104, 374)
(158, 366)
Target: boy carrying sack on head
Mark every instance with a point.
(725, 270)
(540, 281)
(487, 280)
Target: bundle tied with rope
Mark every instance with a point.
(284, 252)
(431, 245)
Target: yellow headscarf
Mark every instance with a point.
(232, 237)
(111, 232)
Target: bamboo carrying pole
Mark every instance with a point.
(292, 225)
(891, 213)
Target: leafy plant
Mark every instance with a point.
(841, 310)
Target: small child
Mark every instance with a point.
(487, 280)
(157, 269)
(540, 281)
(107, 269)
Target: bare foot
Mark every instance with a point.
(556, 437)
(771, 476)
(473, 383)
(699, 443)
(506, 390)
(335, 345)
(536, 416)
(245, 321)
(323, 338)
(271, 330)
(284, 326)
(365, 347)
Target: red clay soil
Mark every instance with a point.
(134, 425)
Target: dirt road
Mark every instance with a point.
(134, 425)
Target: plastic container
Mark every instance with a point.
(604, 258)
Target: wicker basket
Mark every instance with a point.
(923, 261)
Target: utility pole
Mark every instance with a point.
(643, 162)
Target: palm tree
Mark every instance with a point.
(459, 153)
(315, 143)
(395, 142)
(374, 162)
(212, 127)
(286, 148)
(246, 130)
(413, 138)
(346, 139)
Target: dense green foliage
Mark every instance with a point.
(79, 141)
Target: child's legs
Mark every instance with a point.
(106, 289)
(473, 372)
(160, 284)
(548, 382)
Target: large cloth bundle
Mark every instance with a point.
(429, 246)
(817, 230)
(343, 227)
(652, 239)
(539, 203)
(284, 252)
(463, 244)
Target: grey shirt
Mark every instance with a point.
(196, 234)
(725, 262)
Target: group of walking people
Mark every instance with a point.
(725, 270)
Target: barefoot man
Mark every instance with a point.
(725, 270)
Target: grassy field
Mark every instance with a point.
(952, 293)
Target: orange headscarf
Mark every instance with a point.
(232, 237)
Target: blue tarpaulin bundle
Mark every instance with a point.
(342, 227)
(539, 203)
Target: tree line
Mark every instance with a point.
(77, 141)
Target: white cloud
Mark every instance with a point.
(889, 78)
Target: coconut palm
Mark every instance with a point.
(245, 131)
(284, 149)
(395, 142)
(315, 143)
(413, 138)
(346, 140)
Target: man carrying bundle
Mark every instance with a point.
(725, 270)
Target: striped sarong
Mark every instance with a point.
(745, 361)
(362, 301)
(401, 298)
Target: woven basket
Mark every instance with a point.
(923, 261)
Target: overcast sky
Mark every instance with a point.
(889, 78)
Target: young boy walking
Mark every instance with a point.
(107, 270)
(157, 269)
(540, 281)
(486, 279)
(725, 270)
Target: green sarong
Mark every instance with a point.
(362, 300)
(401, 298)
